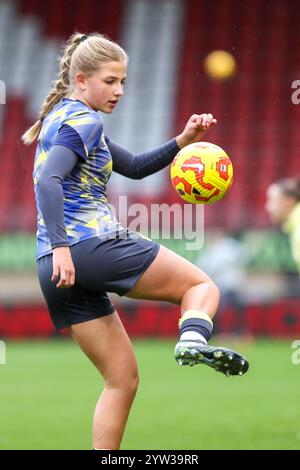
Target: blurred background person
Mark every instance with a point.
(225, 259)
(283, 207)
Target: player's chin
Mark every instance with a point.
(107, 110)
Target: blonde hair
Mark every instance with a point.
(80, 52)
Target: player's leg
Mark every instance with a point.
(174, 279)
(97, 328)
(107, 345)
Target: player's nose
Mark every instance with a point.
(119, 91)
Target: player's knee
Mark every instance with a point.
(201, 279)
(207, 285)
(130, 384)
(126, 381)
(214, 290)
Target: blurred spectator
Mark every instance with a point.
(283, 207)
(225, 261)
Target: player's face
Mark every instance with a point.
(278, 205)
(104, 88)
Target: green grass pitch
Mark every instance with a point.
(48, 391)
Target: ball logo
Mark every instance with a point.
(198, 166)
(222, 169)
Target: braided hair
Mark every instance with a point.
(81, 52)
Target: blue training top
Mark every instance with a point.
(85, 212)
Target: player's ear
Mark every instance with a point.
(81, 81)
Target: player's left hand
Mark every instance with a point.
(195, 129)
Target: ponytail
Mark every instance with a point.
(94, 51)
(59, 90)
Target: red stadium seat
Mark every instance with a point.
(257, 120)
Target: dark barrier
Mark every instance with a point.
(280, 319)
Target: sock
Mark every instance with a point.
(195, 325)
(192, 336)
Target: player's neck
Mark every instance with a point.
(75, 97)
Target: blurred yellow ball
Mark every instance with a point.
(220, 65)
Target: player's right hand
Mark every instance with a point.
(63, 267)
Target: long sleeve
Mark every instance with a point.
(135, 166)
(59, 165)
(140, 165)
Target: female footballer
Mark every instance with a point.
(82, 250)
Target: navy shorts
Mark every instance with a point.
(101, 266)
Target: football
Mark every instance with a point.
(220, 65)
(201, 173)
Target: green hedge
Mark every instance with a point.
(17, 252)
(268, 250)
